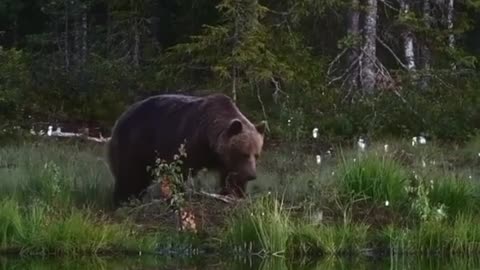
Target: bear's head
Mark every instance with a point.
(242, 146)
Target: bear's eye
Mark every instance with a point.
(256, 156)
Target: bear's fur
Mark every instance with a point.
(216, 135)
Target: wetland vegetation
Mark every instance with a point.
(389, 198)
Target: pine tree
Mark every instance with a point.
(236, 51)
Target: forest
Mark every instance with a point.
(346, 67)
(372, 141)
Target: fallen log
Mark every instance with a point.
(58, 133)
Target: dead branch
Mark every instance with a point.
(262, 105)
(59, 133)
(347, 71)
(384, 72)
(278, 90)
(392, 53)
(336, 59)
(225, 199)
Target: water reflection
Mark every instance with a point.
(161, 263)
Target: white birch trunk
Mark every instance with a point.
(408, 39)
(368, 76)
(451, 36)
(427, 20)
(426, 55)
(354, 30)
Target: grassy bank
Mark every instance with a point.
(401, 199)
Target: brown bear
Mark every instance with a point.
(215, 134)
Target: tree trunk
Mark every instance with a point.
(407, 38)
(369, 48)
(451, 36)
(236, 41)
(77, 40)
(354, 31)
(426, 54)
(136, 45)
(83, 56)
(66, 43)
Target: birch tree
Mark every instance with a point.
(451, 36)
(407, 36)
(368, 69)
(426, 53)
(354, 31)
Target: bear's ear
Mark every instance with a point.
(235, 127)
(261, 127)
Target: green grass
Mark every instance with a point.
(458, 194)
(79, 175)
(263, 227)
(460, 237)
(39, 229)
(333, 239)
(52, 196)
(374, 177)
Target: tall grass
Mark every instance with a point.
(459, 195)
(334, 239)
(50, 195)
(67, 173)
(462, 237)
(379, 179)
(39, 229)
(263, 227)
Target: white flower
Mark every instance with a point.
(50, 128)
(424, 164)
(361, 144)
(422, 140)
(354, 160)
(387, 203)
(414, 141)
(385, 147)
(315, 133)
(469, 177)
(333, 173)
(319, 159)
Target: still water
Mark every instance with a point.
(161, 263)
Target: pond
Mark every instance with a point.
(160, 263)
